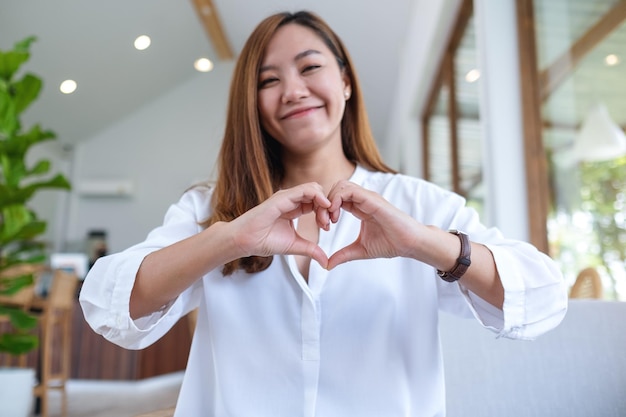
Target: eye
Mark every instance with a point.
(310, 68)
(267, 82)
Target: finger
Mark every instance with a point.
(305, 247)
(335, 208)
(320, 256)
(311, 195)
(321, 201)
(293, 203)
(334, 215)
(349, 253)
(347, 196)
(311, 192)
(322, 217)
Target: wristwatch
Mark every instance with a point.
(462, 263)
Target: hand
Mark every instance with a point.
(268, 229)
(386, 231)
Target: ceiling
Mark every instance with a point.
(92, 43)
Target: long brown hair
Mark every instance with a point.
(249, 165)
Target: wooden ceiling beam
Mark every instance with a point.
(207, 13)
(552, 76)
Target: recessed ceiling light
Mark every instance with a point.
(611, 60)
(472, 76)
(203, 64)
(68, 86)
(142, 42)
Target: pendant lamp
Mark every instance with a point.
(599, 138)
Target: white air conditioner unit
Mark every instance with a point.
(105, 188)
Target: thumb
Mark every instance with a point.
(349, 253)
(305, 247)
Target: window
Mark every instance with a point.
(573, 75)
(452, 132)
(581, 80)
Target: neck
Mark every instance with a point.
(324, 170)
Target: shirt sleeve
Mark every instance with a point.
(105, 295)
(535, 293)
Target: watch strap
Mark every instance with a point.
(462, 263)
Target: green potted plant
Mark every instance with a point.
(20, 227)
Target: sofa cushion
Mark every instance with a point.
(576, 370)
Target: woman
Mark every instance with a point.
(319, 273)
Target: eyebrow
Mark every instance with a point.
(298, 57)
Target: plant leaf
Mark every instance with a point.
(26, 91)
(19, 318)
(24, 44)
(8, 120)
(18, 343)
(10, 285)
(14, 217)
(40, 168)
(10, 62)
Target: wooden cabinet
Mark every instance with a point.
(93, 357)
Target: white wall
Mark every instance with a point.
(162, 148)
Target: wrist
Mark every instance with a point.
(229, 244)
(463, 261)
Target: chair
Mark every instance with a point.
(55, 321)
(588, 284)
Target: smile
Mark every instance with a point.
(299, 113)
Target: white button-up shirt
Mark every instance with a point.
(359, 340)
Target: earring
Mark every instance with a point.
(346, 94)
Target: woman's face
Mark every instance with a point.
(301, 91)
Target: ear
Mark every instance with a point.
(347, 84)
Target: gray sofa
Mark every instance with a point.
(576, 370)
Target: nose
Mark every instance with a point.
(294, 89)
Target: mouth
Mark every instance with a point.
(300, 112)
